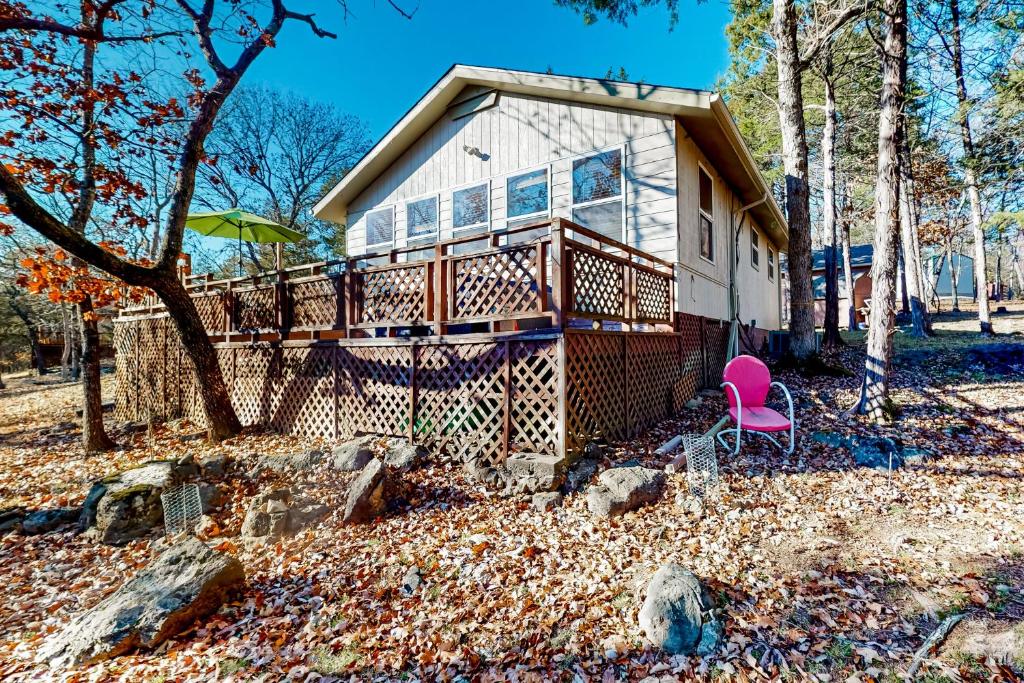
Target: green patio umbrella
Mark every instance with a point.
(240, 225)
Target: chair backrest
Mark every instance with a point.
(751, 378)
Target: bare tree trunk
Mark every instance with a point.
(954, 277)
(902, 270)
(94, 436)
(25, 314)
(69, 343)
(851, 307)
(831, 339)
(220, 415)
(794, 154)
(970, 177)
(1018, 272)
(912, 288)
(874, 399)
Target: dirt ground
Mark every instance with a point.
(823, 570)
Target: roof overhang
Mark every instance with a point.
(703, 114)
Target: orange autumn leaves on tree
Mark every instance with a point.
(52, 273)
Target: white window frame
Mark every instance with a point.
(593, 202)
(486, 224)
(701, 212)
(755, 249)
(437, 228)
(771, 264)
(366, 228)
(546, 213)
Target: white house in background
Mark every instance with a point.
(660, 168)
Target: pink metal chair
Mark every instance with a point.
(749, 382)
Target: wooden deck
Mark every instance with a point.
(387, 346)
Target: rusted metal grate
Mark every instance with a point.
(393, 294)
(496, 283)
(183, 509)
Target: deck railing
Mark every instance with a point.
(571, 272)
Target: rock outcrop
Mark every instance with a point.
(366, 494)
(353, 455)
(187, 582)
(127, 505)
(621, 489)
(677, 615)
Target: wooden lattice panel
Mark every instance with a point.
(315, 303)
(461, 398)
(595, 388)
(654, 371)
(533, 379)
(152, 355)
(256, 384)
(393, 294)
(692, 356)
(598, 285)
(211, 308)
(498, 283)
(716, 342)
(306, 403)
(373, 389)
(254, 308)
(126, 370)
(653, 296)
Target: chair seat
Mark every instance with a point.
(761, 419)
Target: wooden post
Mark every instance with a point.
(412, 393)
(229, 310)
(506, 431)
(558, 275)
(281, 296)
(278, 255)
(352, 303)
(541, 276)
(440, 290)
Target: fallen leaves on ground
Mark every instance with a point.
(824, 570)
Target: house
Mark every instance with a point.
(937, 279)
(536, 262)
(860, 265)
(661, 169)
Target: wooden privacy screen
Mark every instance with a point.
(478, 397)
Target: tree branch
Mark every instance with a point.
(308, 19)
(848, 14)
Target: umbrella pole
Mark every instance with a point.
(239, 253)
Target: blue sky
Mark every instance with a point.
(381, 63)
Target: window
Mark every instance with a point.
(470, 207)
(705, 216)
(421, 219)
(380, 227)
(771, 264)
(597, 193)
(527, 195)
(755, 248)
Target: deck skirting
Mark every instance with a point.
(476, 397)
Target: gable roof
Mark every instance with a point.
(702, 113)
(860, 257)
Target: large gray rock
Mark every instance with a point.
(267, 517)
(677, 613)
(532, 473)
(402, 455)
(187, 582)
(43, 521)
(366, 494)
(353, 455)
(215, 465)
(621, 489)
(127, 505)
(878, 452)
(10, 519)
(291, 462)
(276, 512)
(546, 501)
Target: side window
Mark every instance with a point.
(771, 264)
(755, 248)
(527, 196)
(421, 220)
(471, 207)
(705, 215)
(380, 227)
(597, 193)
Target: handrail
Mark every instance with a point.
(551, 273)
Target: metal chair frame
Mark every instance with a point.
(738, 429)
